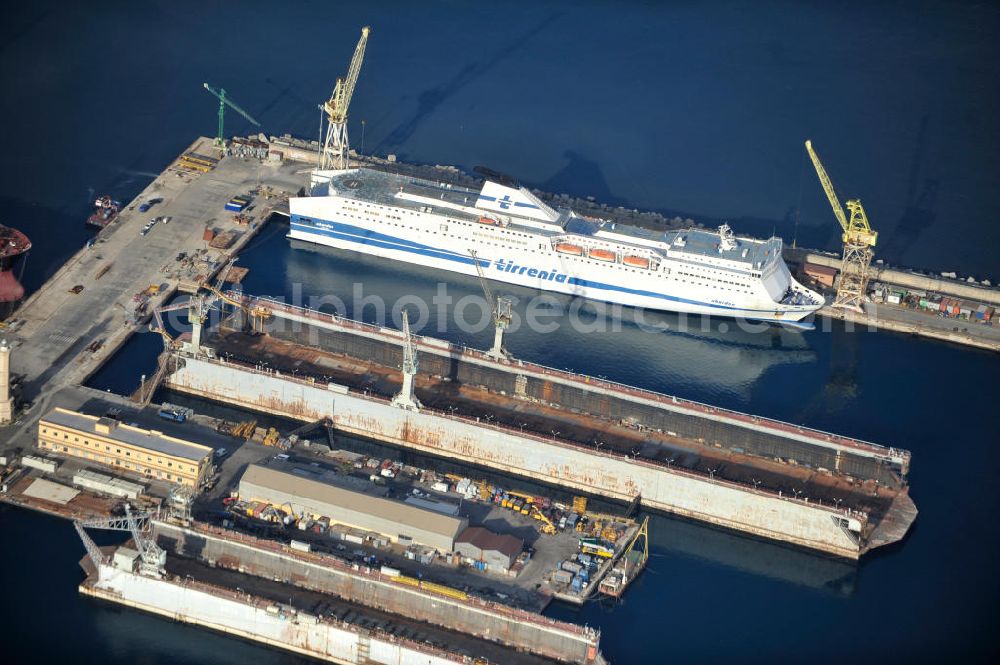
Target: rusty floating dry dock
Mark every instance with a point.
(446, 610)
(768, 478)
(290, 618)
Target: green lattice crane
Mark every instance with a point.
(224, 101)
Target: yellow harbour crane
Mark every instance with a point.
(858, 237)
(336, 146)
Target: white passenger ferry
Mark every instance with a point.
(519, 239)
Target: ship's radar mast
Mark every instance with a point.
(727, 239)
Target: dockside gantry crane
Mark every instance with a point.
(336, 146)
(500, 309)
(152, 557)
(859, 241)
(407, 398)
(224, 101)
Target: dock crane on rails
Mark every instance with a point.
(152, 557)
(501, 312)
(220, 140)
(258, 314)
(406, 399)
(336, 146)
(859, 240)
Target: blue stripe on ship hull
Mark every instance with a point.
(362, 236)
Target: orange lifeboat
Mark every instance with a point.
(489, 220)
(636, 262)
(567, 248)
(601, 255)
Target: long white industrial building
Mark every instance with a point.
(397, 521)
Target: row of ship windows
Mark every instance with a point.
(713, 272)
(723, 281)
(724, 288)
(444, 227)
(444, 230)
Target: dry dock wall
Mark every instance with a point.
(521, 630)
(668, 489)
(732, 431)
(188, 603)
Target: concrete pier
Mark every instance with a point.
(63, 334)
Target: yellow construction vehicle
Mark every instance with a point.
(528, 498)
(547, 526)
(579, 505)
(271, 438)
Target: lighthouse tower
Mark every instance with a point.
(6, 400)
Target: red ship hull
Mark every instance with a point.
(13, 244)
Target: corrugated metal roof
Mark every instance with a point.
(437, 506)
(148, 439)
(320, 492)
(488, 541)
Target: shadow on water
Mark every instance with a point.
(430, 99)
(919, 213)
(675, 535)
(582, 175)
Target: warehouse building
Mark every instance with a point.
(116, 445)
(314, 497)
(823, 275)
(497, 551)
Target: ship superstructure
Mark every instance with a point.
(519, 239)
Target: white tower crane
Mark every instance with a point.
(501, 311)
(406, 399)
(336, 146)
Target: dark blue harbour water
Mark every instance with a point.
(698, 111)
